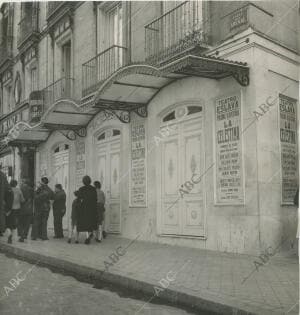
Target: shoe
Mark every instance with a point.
(69, 241)
(45, 239)
(76, 242)
(9, 240)
(87, 241)
(97, 240)
(21, 239)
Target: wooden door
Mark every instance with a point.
(182, 155)
(108, 161)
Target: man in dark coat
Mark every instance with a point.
(26, 212)
(42, 198)
(59, 210)
(4, 189)
(87, 214)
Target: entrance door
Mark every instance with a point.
(182, 155)
(60, 175)
(108, 162)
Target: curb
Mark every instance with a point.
(96, 277)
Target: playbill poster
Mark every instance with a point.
(80, 162)
(138, 172)
(288, 142)
(229, 183)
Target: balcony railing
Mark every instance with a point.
(101, 67)
(5, 52)
(175, 31)
(60, 89)
(28, 26)
(53, 6)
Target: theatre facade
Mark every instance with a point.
(190, 124)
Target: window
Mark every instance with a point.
(114, 26)
(7, 99)
(33, 79)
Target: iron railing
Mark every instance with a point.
(60, 89)
(175, 31)
(5, 51)
(27, 26)
(101, 67)
(53, 6)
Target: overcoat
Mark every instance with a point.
(87, 212)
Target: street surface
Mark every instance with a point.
(30, 289)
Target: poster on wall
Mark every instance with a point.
(289, 148)
(80, 162)
(138, 171)
(229, 182)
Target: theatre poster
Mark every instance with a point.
(289, 148)
(229, 178)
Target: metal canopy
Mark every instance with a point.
(66, 114)
(132, 87)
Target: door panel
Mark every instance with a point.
(182, 156)
(169, 217)
(109, 173)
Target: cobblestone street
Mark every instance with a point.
(48, 293)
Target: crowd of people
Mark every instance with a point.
(22, 206)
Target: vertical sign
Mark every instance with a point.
(238, 18)
(289, 148)
(80, 162)
(229, 183)
(138, 171)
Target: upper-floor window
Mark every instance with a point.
(111, 30)
(33, 79)
(6, 99)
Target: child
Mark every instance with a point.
(100, 210)
(13, 214)
(75, 207)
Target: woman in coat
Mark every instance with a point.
(87, 214)
(59, 210)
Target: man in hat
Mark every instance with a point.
(4, 189)
(42, 198)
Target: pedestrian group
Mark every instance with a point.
(21, 207)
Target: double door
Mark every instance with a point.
(182, 156)
(108, 163)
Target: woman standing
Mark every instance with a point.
(87, 214)
(59, 210)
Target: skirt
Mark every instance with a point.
(100, 213)
(11, 220)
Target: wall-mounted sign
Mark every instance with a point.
(238, 18)
(138, 169)
(11, 120)
(80, 162)
(36, 106)
(289, 148)
(229, 182)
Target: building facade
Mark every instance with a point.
(187, 112)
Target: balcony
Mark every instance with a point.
(60, 89)
(5, 55)
(99, 68)
(28, 31)
(176, 31)
(53, 6)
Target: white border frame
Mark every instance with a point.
(216, 203)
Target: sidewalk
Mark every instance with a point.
(207, 280)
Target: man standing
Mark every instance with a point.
(42, 198)
(26, 213)
(4, 188)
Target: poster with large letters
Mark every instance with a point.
(138, 167)
(289, 148)
(229, 181)
(80, 162)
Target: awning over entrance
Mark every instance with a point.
(66, 114)
(132, 87)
